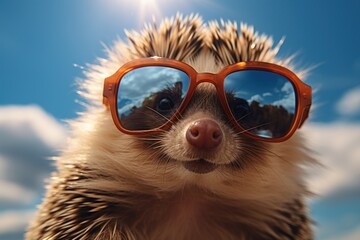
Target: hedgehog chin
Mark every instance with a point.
(200, 166)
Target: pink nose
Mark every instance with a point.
(204, 134)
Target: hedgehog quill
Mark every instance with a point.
(191, 132)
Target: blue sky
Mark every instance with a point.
(45, 43)
(41, 41)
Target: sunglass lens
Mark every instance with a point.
(149, 96)
(262, 102)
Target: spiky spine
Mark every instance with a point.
(176, 38)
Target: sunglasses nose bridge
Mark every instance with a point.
(206, 77)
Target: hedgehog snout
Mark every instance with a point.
(204, 134)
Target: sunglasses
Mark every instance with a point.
(264, 101)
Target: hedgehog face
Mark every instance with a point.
(201, 148)
(147, 95)
(202, 139)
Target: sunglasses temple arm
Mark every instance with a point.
(106, 102)
(305, 115)
(307, 99)
(107, 92)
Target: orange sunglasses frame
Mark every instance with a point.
(303, 92)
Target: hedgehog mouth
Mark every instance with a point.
(200, 166)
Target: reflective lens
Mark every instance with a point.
(262, 102)
(149, 96)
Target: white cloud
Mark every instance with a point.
(132, 92)
(349, 104)
(287, 102)
(287, 88)
(153, 80)
(28, 136)
(267, 94)
(256, 98)
(15, 193)
(337, 147)
(288, 97)
(14, 221)
(23, 121)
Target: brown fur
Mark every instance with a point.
(114, 186)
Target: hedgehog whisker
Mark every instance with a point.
(149, 139)
(257, 126)
(161, 115)
(166, 163)
(277, 155)
(242, 117)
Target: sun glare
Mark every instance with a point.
(143, 9)
(148, 8)
(146, 1)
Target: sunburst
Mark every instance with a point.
(144, 9)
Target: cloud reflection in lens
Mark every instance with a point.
(143, 92)
(269, 98)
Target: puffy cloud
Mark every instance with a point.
(12, 221)
(349, 105)
(337, 147)
(17, 194)
(335, 209)
(28, 137)
(24, 122)
(256, 98)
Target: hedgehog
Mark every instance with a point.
(219, 164)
